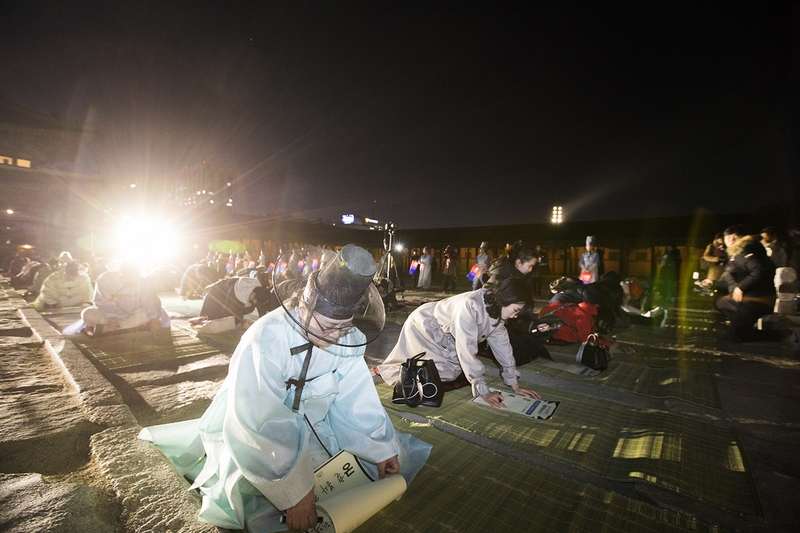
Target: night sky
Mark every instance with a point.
(444, 113)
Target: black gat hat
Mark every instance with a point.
(338, 286)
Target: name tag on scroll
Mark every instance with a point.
(346, 495)
(340, 473)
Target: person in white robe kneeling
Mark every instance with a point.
(68, 287)
(448, 331)
(123, 299)
(298, 391)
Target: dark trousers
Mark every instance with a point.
(526, 346)
(447, 281)
(743, 316)
(537, 285)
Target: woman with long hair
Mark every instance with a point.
(449, 331)
(517, 263)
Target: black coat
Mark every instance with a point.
(221, 301)
(503, 268)
(750, 269)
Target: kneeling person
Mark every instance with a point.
(123, 299)
(227, 301)
(449, 331)
(65, 288)
(299, 390)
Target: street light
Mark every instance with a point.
(558, 215)
(10, 211)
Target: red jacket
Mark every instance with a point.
(579, 320)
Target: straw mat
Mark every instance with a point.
(691, 387)
(226, 341)
(685, 359)
(645, 355)
(694, 338)
(127, 350)
(468, 489)
(62, 319)
(678, 453)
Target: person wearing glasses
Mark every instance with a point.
(298, 391)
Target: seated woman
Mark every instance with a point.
(65, 288)
(230, 297)
(42, 273)
(449, 332)
(123, 300)
(517, 263)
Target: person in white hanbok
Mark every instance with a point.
(67, 287)
(425, 269)
(589, 263)
(298, 391)
(124, 299)
(448, 331)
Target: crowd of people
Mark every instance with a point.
(750, 274)
(298, 389)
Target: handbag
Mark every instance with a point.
(593, 355)
(419, 383)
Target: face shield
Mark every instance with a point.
(332, 292)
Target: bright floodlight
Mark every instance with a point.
(145, 238)
(10, 211)
(558, 215)
(398, 247)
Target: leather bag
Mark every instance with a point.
(419, 383)
(593, 355)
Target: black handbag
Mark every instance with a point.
(419, 383)
(593, 355)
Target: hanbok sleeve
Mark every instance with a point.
(104, 296)
(504, 354)
(266, 439)
(151, 301)
(86, 288)
(464, 329)
(50, 288)
(357, 417)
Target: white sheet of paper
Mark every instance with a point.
(529, 407)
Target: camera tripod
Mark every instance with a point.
(387, 264)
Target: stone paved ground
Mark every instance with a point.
(70, 460)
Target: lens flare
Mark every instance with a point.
(144, 237)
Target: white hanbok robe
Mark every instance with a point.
(449, 332)
(425, 271)
(261, 454)
(131, 304)
(57, 289)
(589, 262)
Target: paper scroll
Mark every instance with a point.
(347, 496)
